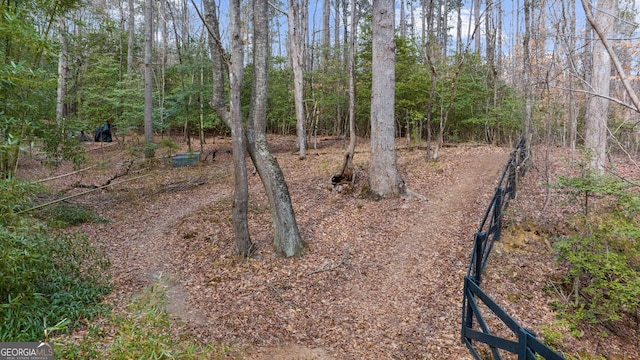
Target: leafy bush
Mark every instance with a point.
(603, 257)
(45, 278)
(14, 194)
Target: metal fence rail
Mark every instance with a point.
(474, 328)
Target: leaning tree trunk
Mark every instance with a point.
(384, 179)
(287, 241)
(233, 116)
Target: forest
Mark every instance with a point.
(345, 151)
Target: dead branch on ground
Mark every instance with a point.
(79, 194)
(129, 164)
(185, 184)
(279, 296)
(65, 175)
(343, 262)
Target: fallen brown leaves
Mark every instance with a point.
(379, 280)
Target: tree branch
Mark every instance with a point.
(617, 101)
(65, 175)
(614, 57)
(210, 31)
(276, 8)
(80, 194)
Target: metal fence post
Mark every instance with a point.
(479, 238)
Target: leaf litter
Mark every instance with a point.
(378, 280)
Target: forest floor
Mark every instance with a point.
(378, 280)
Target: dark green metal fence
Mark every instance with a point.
(474, 327)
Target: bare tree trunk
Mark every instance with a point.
(287, 241)
(597, 110)
(352, 82)
(201, 113)
(490, 34)
(296, 53)
(63, 73)
(339, 48)
(384, 179)
(232, 117)
(527, 69)
(403, 20)
(499, 18)
(148, 79)
(132, 33)
(476, 14)
(602, 35)
(348, 173)
(434, 75)
(326, 32)
(445, 28)
(163, 63)
(459, 46)
(498, 68)
(573, 116)
(345, 36)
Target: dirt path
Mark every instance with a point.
(138, 245)
(397, 296)
(420, 277)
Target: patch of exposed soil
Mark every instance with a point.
(379, 280)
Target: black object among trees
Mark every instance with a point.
(103, 133)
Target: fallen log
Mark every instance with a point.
(79, 194)
(65, 175)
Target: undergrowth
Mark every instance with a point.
(65, 215)
(602, 258)
(47, 278)
(143, 332)
(53, 282)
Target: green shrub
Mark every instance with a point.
(15, 195)
(603, 257)
(45, 278)
(143, 332)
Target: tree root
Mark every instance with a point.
(412, 194)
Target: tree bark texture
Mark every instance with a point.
(132, 33)
(597, 110)
(296, 54)
(148, 76)
(63, 73)
(287, 240)
(527, 70)
(384, 179)
(352, 84)
(232, 117)
(326, 32)
(573, 117)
